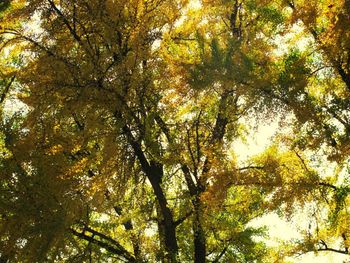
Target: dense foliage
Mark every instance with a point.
(119, 120)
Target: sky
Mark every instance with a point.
(280, 229)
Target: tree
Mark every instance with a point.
(124, 150)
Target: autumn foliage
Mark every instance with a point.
(120, 122)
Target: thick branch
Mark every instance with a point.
(182, 219)
(7, 88)
(219, 128)
(65, 21)
(163, 126)
(190, 183)
(116, 248)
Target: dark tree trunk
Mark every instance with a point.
(198, 232)
(167, 221)
(154, 173)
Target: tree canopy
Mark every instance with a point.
(119, 121)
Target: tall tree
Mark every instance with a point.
(123, 151)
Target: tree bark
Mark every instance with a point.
(197, 226)
(154, 173)
(198, 232)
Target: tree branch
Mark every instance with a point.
(182, 219)
(220, 255)
(7, 88)
(344, 252)
(65, 21)
(114, 247)
(251, 167)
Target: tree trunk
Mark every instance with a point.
(154, 172)
(198, 232)
(168, 225)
